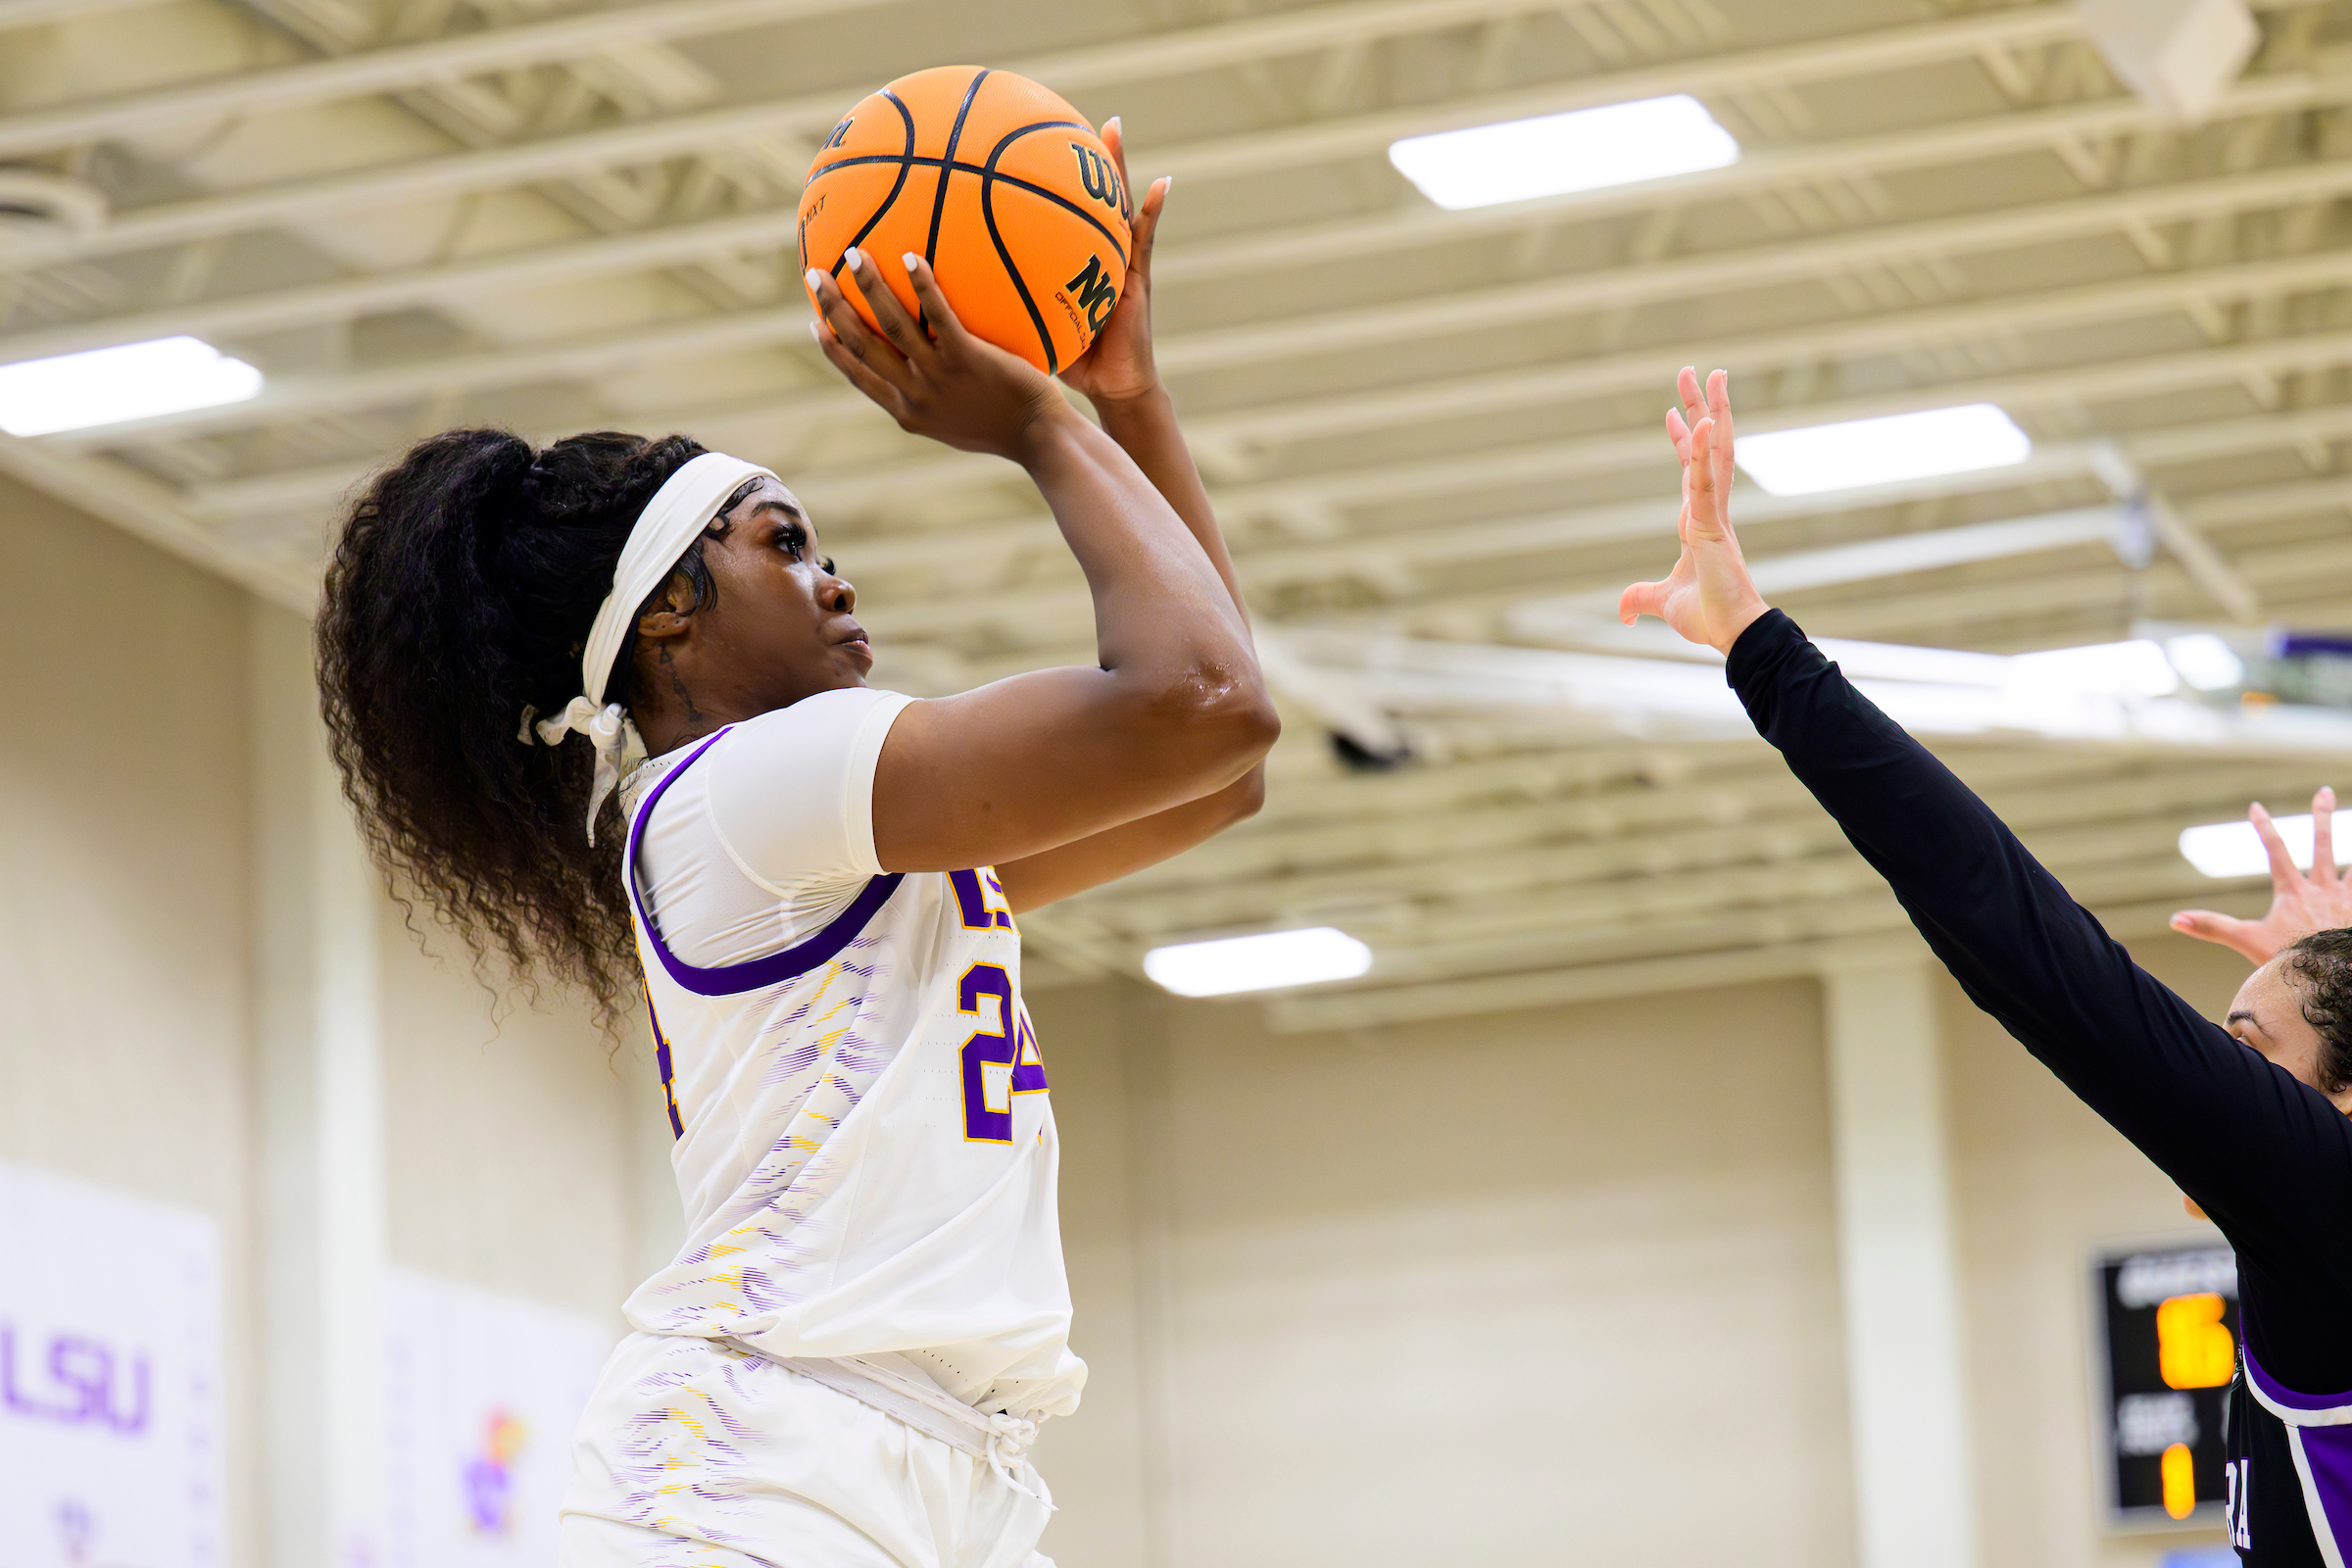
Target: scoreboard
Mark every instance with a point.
(2165, 1340)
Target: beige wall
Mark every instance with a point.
(124, 914)
(506, 1137)
(1493, 1290)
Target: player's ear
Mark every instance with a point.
(670, 614)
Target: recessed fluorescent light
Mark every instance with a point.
(106, 386)
(1883, 451)
(2235, 849)
(2205, 661)
(1556, 154)
(2135, 668)
(1257, 963)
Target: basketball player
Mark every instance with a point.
(2250, 1117)
(846, 1363)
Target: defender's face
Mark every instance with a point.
(2267, 1014)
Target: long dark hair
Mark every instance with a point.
(461, 591)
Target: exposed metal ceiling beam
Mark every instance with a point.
(1552, 896)
(1605, 288)
(1463, 474)
(1927, 611)
(678, 243)
(602, 353)
(1502, 921)
(1895, 556)
(1258, 425)
(1894, 329)
(1742, 787)
(1766, 168)
(398, 67)
(1268, 566)
(1780, 65)
(306, 304)
(1091, 66)
(2286, 576)
(150, 512)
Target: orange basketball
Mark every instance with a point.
(999, 184)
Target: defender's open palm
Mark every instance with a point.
(2300, 903)
(1708, 597)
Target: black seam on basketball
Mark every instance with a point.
(1014, 180)
(939, 200)
(1056, 197)
(1021, 286)
(905, 162)
(986, 175)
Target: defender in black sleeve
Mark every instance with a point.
(2252, 1119)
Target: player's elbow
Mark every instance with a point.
(1217, 720)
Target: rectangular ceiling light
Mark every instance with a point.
(1257, 963)
(1556, 154)
(2224, 849)
(1883, 451)
(106, 386)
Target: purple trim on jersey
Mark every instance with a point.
(2279, 1394)
(2328, 1451)
(759, 973)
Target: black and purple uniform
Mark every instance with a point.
(2267, 1158)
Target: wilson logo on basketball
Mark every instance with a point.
(1099, 178)
(1097, 294)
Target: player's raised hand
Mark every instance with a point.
(2300, 903)
(1708, 597)
(1118, 366)
(942, 382)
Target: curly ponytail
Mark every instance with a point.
(461, 589)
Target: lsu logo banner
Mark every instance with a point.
(110, 1377)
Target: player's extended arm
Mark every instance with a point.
(1176, 709)
(2237, 1134)
(2300, 903)
(1119, 377)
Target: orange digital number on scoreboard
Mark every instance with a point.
(2195, 1348)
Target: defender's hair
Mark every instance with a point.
(462, 588)
(2323, 965)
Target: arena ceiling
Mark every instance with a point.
(1434, 436)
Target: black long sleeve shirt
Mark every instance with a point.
(2267, 1158)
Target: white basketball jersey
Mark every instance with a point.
(866, 1146)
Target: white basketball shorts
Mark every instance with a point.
(693, 1455)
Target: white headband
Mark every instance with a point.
(669, 523)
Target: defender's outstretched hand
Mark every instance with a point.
(942, 382)
(1708, 597)
(2300, 903)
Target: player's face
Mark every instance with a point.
(2267, 1014)
(781, 627)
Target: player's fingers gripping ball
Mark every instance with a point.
(1001, 184)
